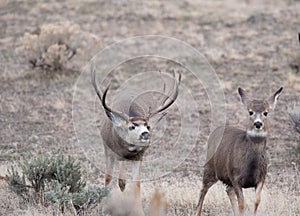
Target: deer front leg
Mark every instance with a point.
(240, 197)
(122, 181)
(136, 177)
(257, 195)
(203, 193)
(109, 162)
(209, 179)
(232, 197)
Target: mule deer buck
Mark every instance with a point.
(126, 132)
(239, 160)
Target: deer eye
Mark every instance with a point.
(265, 113)
(148, 127)
(131, 128)
(251, 112)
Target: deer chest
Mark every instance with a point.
(254, 171)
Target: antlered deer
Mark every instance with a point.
(240, 159)
(126, 132)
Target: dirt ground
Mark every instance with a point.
(252, 44)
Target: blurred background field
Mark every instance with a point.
(252, 44)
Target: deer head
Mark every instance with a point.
(258, 111)
(136, 130)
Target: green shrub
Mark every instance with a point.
(17, 183)
(55, 179)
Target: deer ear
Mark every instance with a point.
(118, 119)
(157, 118)
(274, 99)
(244, 96)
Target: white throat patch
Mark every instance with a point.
(256, 133)
(134, 148)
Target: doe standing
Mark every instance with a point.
(239, 160)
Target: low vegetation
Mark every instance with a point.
(58, 46)
(55, 179)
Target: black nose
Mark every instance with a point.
(258, 125)
(145, 135)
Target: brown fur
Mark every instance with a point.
(225, 164)
(113, 143)
(126, 132)
(237, 158)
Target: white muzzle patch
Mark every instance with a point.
(257, 133)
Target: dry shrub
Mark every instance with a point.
(59, 46)
(158, 206)
(127, 203)
(121, 203)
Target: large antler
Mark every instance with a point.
(107, 109)
(170, 98)
(93, 78)
(102, 98)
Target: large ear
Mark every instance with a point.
(274, 98)
(244, 96)
(156, 118)
(118, 119)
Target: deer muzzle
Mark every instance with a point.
(145, 136)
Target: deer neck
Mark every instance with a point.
(257, 139)
(127, 145)
(119, 138)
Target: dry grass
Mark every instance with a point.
(249, 43)
(184, 194)
(293, 81)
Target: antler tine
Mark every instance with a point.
(107, 109)
(179, 80)
(103, 97)
(93, 76)
(174, 75)
(172, 99)
(164, 88)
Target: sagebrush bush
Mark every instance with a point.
(65, 170)
(17, 183)
(59, 46)
(56, 179)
